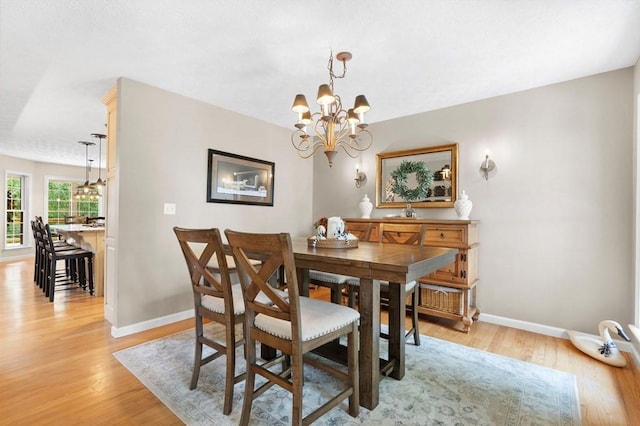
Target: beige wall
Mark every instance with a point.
(636, 186)
(556, 219)
(38, 173)
(162, 153)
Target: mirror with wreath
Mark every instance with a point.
(422, 177)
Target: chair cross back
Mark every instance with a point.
(361, 230)
(202, 279)
(255, 278)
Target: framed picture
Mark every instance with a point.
(236, 179)
(423, 177)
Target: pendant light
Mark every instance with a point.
(87, 190)
(99, 184)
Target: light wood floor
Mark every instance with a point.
(56, 365)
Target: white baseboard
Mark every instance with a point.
(635, 331)
(524, 325)
(152, 323)
(636, 356)
(19, 257)
(551, 331)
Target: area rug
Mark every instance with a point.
(445, 384)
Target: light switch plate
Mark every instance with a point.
(169, 208)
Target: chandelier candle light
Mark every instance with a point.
(333, 126)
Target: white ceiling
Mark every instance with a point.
(58, 58)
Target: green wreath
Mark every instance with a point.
(424, 176)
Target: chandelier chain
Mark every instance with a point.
(331, 73)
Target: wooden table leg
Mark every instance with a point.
(369, 305)
(303, 281)
(397, 309)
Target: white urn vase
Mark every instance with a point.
(365, 207)
(463, 206)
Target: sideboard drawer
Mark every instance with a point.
(445, 235)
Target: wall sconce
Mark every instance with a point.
(445, 172)
(486, 166)
(360, 179)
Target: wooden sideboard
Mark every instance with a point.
(450, 292)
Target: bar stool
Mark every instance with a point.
(79, 260)
(41, 245)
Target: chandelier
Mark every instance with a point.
(332, 126)
(87, 190)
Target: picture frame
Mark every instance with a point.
(236, 179)
(413, 168)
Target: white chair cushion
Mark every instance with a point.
(407, 287)
(317, 318)
(353, 282)
(328, 277)
(216, 304)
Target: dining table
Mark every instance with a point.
(371, 262)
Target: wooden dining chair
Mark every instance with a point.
(362, 230)
(215, 299)
(293, 326)
(398, 233)
(337, 282)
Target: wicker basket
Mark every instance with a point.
(332, 243)
(440, 298)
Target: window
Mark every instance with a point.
(14, 235)
(59, 201)
(62, 201)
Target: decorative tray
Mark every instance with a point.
(332, 243)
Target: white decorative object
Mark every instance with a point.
(409, 211)
(365, 207)
(335, 227)
(602, 348)
(463, 206)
